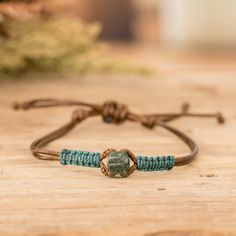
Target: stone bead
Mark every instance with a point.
(118, 163)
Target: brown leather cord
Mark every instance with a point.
(112, 112)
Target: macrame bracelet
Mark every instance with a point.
(112, 162)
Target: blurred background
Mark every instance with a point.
(35, 37)
(181, 23)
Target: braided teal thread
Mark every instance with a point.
(80, 158)
(155, 163)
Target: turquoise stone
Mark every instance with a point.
(118, 163)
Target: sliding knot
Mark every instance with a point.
(79, 115)
(113, 112)
(149, 121)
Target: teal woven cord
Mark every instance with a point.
(80, 158)
(92, 159)
(155, 163)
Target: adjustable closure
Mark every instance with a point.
(118, 162)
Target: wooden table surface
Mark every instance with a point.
(45, 198)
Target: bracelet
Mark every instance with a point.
(112, 162)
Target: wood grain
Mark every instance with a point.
(44, 198)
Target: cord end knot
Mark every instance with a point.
(185, 108)
(17, 106)
(220, 118)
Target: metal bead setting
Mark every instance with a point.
(118, 162)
